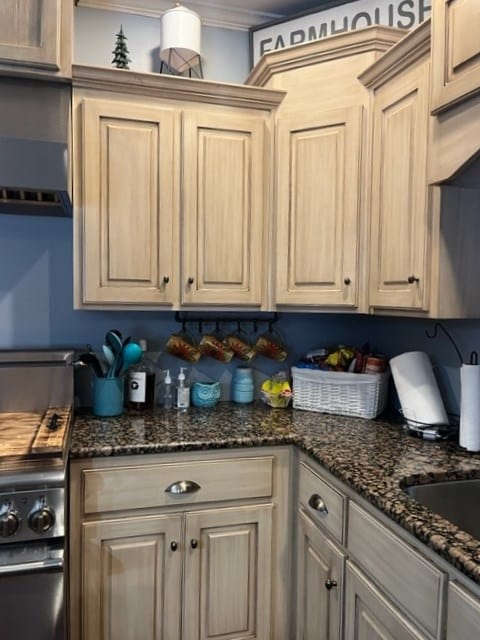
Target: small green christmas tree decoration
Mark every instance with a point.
(120, 53)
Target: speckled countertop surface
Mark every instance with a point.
(374, 457)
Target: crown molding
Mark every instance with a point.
(213, 14)
(174, 87)
(377, 38)
(415, 45)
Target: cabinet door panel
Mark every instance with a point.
(30, 33)
(318, 560)
(318, 208)
(223, 208)
(131, 579)
(128, 203)
(399, 193)
(369, 616)
(455, 51)
(228, 575)
(463, 619)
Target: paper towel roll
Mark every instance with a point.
(417, 389)
(470, 407)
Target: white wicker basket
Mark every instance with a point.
(347, 394)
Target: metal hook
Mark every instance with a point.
(436, 327)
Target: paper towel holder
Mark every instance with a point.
(431, 432)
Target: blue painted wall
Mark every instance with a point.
(36, 290)
(36, 310)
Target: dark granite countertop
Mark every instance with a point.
(373, 457)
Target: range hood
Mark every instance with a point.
(34, 135)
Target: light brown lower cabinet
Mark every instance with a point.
(193, 547)
(218, 561)
(320, 567)
(463, 613)
(369, 615)
(133, 576)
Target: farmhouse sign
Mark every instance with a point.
(359, 14)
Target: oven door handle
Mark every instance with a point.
(51, 564)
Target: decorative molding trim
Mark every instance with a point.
(415, 45)
(213, 14)
(174, 87)
(377, 38)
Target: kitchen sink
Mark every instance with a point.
(455, 500)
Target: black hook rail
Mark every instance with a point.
(185, 317)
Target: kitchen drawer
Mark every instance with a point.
(409, 579)
(324, 504)
(143, 486)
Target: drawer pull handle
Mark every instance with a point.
(182, 486)
(317, 503)
(173, 545)
(329, 584)
(194, 543)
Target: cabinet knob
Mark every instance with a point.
(173, 545)
(317, 503)
(329, 584)
(194, 543)
(347, 281)
(182, 486)
(190, 280)
(166, 279)
(412, 279)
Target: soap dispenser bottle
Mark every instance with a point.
(167, 391)
(183, 392)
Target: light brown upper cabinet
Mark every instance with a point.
(126, 200)
(224, 176)
(318, 206)
(455, 52)
(424, 239)
(172, 191)
(322, 159)
(455, 58)
(36, 37)
(400, 241)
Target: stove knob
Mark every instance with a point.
(41, 520)
(9, 523)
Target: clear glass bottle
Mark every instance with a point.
(141, 382)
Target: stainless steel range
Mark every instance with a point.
(36, 400)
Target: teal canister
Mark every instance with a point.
(243, 388)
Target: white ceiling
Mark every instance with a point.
(231, 14)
